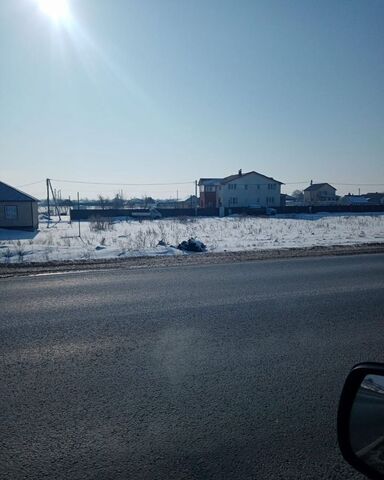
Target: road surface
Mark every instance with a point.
(198, 372)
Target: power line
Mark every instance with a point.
(344, 184)
(185, 183)
(359, 184)
(121, 184)
(29, 184)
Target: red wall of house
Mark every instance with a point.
(207, 199)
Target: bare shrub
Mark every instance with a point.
(67, 241)
(7, 254)
(87, 254)
(20, 251)
(100, 224)
(140, 239)
(49, 239)
(162, 232)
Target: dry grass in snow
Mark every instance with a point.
(122, 238)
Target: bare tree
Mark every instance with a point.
(118, 200)
(102, 201)
(298, 194)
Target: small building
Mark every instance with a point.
(320, 194)
(17, 209)
(251, 189)
(190, 202)
(375, 198)
(354, 200)
(286, 199)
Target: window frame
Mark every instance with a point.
(9, 216)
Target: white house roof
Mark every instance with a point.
(240, 175)
(231, 178)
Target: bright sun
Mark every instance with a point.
(57, 10)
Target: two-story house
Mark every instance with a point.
(251, 189)
(320, 193)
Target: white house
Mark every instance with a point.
(320, 194)
(251, 189)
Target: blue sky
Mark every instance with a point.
(135, 91)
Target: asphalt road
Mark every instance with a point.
(200, 372)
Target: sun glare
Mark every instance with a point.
(57, 10)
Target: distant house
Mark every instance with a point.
(287, 200)
(354, 200)
(17, 209)
(191, 202)
(251, 189)
(375, 198)
(320, 193)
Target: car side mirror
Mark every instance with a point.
(360, 420)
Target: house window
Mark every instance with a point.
(245, 187)
(234, 200)
(10, 212)
(232, 186)
(258, 187)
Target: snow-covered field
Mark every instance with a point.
(122, 238)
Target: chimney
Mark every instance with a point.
(311, 182)
(240, 172)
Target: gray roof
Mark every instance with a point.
(239, 175)
(218, 181)
(11, 194)
(316, 186)
(210, 181)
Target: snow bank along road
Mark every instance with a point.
(201, 372)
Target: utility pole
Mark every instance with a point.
(53, 193)
(48, 207)
(196, 198)
(78, 207)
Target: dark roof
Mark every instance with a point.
(374, 194)
(210, 181)
(317, 186)
(11, 194)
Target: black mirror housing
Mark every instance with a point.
(361, 407)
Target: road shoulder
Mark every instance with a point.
(22, 269)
